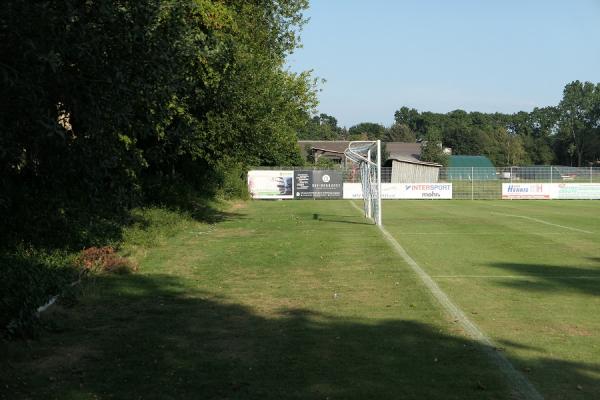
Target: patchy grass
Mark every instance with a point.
(532, 284)
(304, 299)
(263, 302)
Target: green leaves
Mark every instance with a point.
(98, 98)
(567, 134)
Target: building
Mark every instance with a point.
(333, 150)
(414, 171)
(478, 168)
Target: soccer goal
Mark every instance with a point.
(367, 154)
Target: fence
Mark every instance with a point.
(486, 183)
(479, 183)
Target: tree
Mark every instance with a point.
(320, 127)
(399, 132)
(409, 117)
(432, 150)
(100, 101)
(580, 119)
(369, 130)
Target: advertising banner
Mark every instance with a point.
(318, 184)
(573, 191)
(526, 191)
(352, 191)
(271, 184)
(559, 191)
(406, 191)
(433, 191)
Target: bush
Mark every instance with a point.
(29, 279)
(233, 183)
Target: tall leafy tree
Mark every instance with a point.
(321, 127)
(369, 130)
(580, 120)
(399, 132)
(101, 98)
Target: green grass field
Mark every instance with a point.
(527, 272)
(305, 299)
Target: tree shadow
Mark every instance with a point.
(37, 267)
(154, 338)
(141, 337)
(337, 218)
(552, 278)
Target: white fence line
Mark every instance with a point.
(473, 183)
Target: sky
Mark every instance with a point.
(441, 55)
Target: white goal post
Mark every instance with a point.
(361, 152)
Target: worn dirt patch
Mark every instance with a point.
(238, 205)
(575, 330)
(568, 330)
(233, 233)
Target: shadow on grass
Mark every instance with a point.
(552, 278)
(153, 338)
(352, 219)
(36, 268)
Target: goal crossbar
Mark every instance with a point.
(358, 151)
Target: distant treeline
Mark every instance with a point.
(107, 105)
(567, 134)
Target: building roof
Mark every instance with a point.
(471, 168)
(416, 162)
(470, 161)
(396, 150)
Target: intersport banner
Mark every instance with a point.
(405, 191)
(547, 191)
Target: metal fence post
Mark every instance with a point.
(511, 174)
(591, 174)
(550, 173)
(472, 180)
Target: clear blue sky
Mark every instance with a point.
(442, 55)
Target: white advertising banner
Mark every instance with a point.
(271, 184)
(352, 191)
(573, 191)
(528, 191)
(560, 191)
(404, 191)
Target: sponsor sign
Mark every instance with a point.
(437, 191)
(573, 191)
(352, 191)
(433, 191)
(271, 184)
(560, 191)
(317, 184)
(529, 191)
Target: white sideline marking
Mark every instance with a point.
(543, 222)
(519, 383)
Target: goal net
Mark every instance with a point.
(367, 155)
